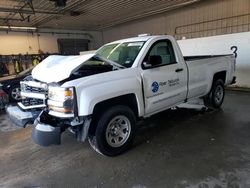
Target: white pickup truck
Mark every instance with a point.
(100, 96)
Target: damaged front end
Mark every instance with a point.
(51, 110)
(49, 106)
(33, 102)
(47, 129)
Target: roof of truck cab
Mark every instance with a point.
(137, 39)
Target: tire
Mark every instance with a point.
(14, 93)
(216, 96)
(115, 131)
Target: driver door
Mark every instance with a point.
(164, 79)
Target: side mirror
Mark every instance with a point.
(155, 60)
(146, 64)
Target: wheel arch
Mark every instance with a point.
(220, 75)
(216, 76)
(128, 100)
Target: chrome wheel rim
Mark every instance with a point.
(118, 131)
(219, 94)
(16, 93)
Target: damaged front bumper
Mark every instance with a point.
(47, 130)
(42, 134)
(21, 118)
(45, 135)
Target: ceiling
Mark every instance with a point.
(94, 14)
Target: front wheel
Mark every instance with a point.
(114, 132)
(216, 96)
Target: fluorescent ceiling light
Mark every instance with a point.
(17, 28)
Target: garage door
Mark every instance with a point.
(72, 46)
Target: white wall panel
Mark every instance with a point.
(222, 45)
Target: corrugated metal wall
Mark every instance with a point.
(206, 18)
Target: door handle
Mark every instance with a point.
(179, 70)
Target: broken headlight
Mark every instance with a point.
(61, 99)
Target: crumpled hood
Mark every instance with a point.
(56, 68)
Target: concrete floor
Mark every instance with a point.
(174, 149)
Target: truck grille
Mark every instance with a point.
(34, 94)
(32, 102)
(34, 89)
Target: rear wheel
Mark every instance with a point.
(216, 96)
(114, 132)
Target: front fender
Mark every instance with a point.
(92, 95)
(94, 89)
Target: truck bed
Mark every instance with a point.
(202, 68)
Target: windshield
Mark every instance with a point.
(121, 53)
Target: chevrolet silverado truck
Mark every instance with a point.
(100, 96)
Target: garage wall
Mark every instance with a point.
(212, 26)
(206, 18)
(28, 43)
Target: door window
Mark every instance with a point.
(161, 53)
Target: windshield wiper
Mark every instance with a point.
(110, 62)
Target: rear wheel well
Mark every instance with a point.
(128, 100)
(220, 75)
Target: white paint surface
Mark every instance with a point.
(56, 68)
(222, 44)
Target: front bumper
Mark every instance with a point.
(45, 135)
(47, 130)
(21, 118)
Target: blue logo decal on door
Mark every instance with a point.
(155, 87)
